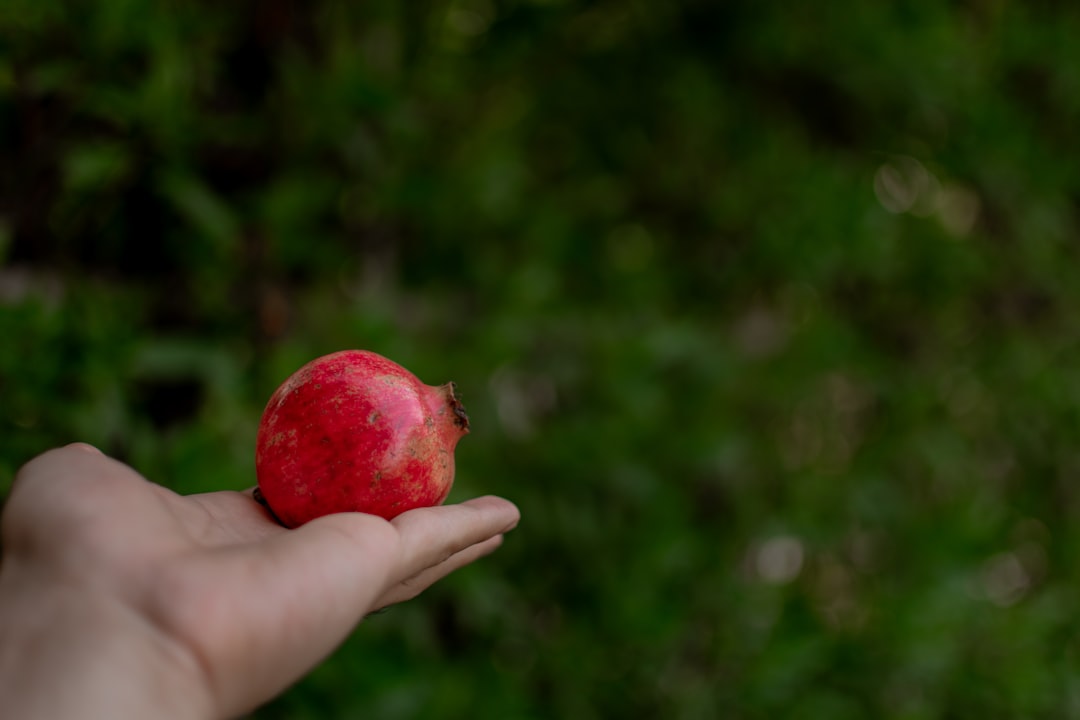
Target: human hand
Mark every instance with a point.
(120, 598)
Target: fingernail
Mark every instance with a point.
(85, 447)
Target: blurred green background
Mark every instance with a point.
(766, 315)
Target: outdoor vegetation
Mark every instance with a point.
(767, 315)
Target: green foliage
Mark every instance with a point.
(764, 315)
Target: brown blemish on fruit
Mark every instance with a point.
(280, 437)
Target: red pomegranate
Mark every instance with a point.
(356, 432)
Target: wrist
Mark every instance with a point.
(70, 650)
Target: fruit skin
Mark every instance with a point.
(355, 432)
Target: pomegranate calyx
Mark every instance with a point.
(461, 419)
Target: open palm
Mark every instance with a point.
(252, 605)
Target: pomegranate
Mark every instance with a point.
(354, 431)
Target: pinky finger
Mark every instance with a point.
(411, 587)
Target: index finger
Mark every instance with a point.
(430, 536)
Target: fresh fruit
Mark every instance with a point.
(356, 432)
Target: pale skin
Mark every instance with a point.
(121, 599)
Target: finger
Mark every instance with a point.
(431, 536)
(343, 560)
(74, 463)
(77, 491)
(84, 447)
(411, 587)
